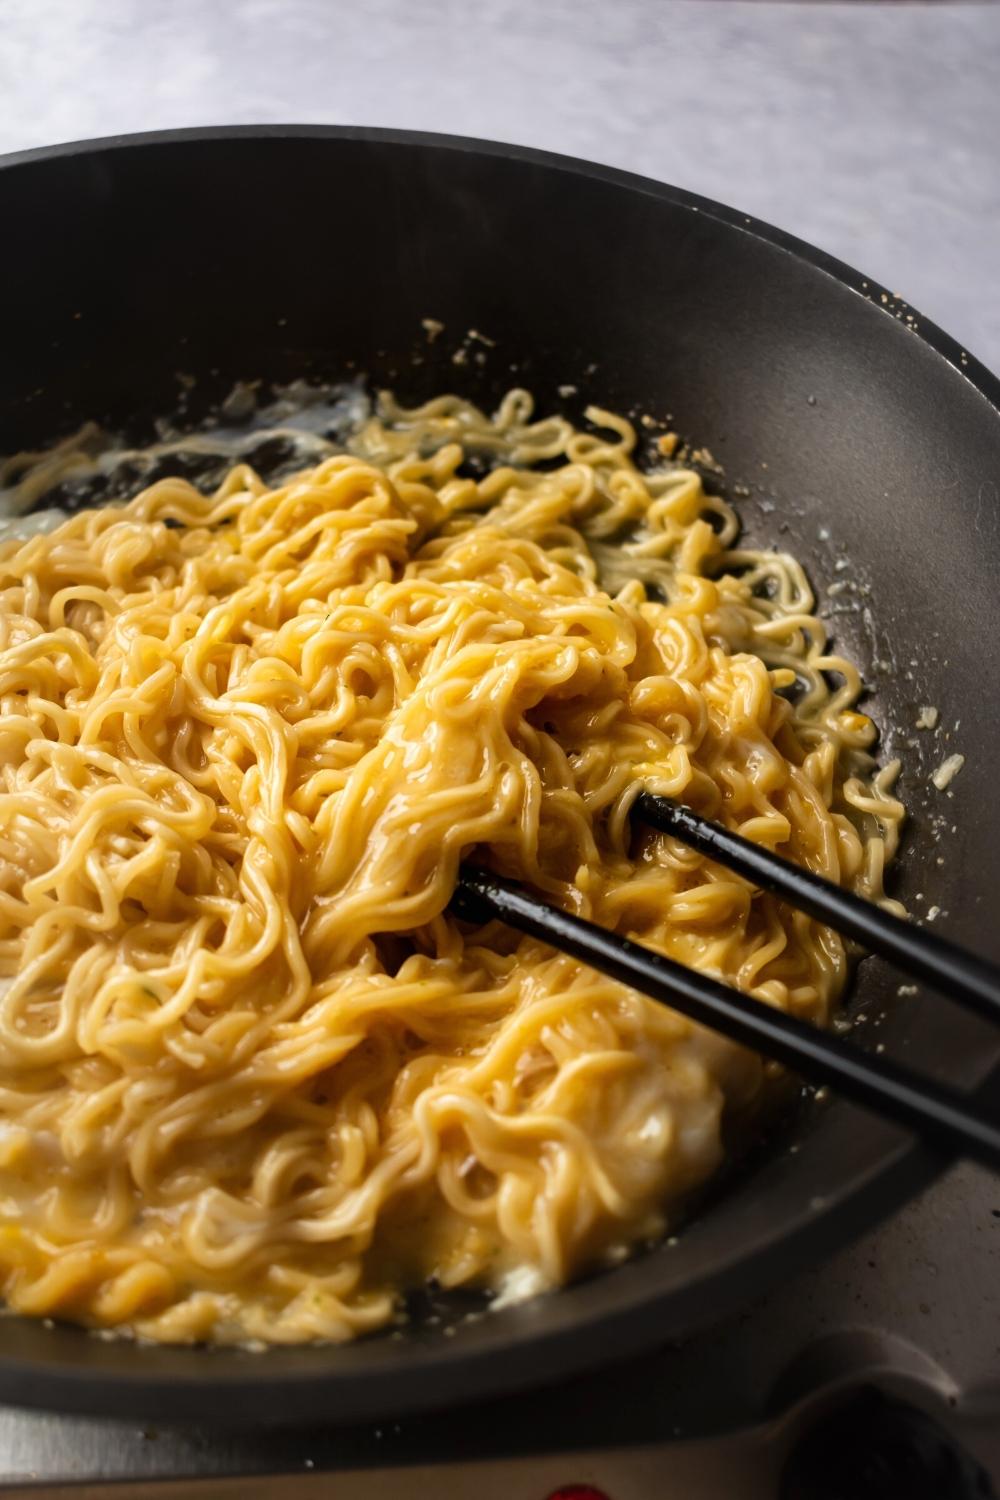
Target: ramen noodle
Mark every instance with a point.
(256, 1080)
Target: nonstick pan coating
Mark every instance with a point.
(858, 430)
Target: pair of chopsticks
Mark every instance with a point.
(939, 1115)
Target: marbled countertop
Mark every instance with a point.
(871, 130)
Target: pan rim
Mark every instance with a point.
(442, 1371)
(964, 363)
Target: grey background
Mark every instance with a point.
(871, 130)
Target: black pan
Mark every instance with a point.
(859, 430)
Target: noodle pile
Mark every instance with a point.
(254, 1077)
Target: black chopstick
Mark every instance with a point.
(940, 1115)
(962, 976)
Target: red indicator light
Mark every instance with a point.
(578, 1492)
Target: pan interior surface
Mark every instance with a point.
(845, 435)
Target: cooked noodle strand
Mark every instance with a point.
(254, 1078)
